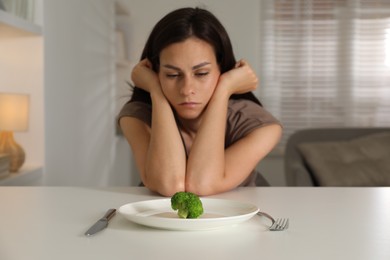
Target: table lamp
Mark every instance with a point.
(14, 110)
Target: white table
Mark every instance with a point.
(325, 223)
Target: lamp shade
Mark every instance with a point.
(14, 111)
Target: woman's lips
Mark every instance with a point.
(189, 104)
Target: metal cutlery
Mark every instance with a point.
(101, 223)
(279, 224)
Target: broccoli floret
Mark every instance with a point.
(188, 204)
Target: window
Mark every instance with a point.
(326, 63)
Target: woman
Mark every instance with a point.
(192, 122)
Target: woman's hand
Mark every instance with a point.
(144, 77)
(239, 80)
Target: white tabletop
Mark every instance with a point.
(325, 223)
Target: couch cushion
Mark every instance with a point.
(363, 161)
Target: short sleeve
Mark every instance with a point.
(243, 117)
(139, 110)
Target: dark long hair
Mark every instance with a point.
(179, 25)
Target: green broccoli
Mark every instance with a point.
(188, 204)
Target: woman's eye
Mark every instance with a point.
(172, 76)
(201, 74)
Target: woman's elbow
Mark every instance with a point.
(167, 188)
(203, 188)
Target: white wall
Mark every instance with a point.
(80, 141)
(80, 96)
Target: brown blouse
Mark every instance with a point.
(243, 117)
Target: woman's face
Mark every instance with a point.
(188, 75)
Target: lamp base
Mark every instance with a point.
(13, 149)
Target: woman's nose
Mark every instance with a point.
(187, 87)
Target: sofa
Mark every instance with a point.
(338, 157)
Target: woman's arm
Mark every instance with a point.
(158, 151)
(212, 169)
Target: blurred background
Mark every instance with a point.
(321, 63)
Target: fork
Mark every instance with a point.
(279, 224)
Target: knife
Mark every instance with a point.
(101, 223)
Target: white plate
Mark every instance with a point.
(159, 214)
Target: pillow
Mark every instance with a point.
(364, 161)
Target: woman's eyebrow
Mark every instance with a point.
(200, 65)
(193, 68)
